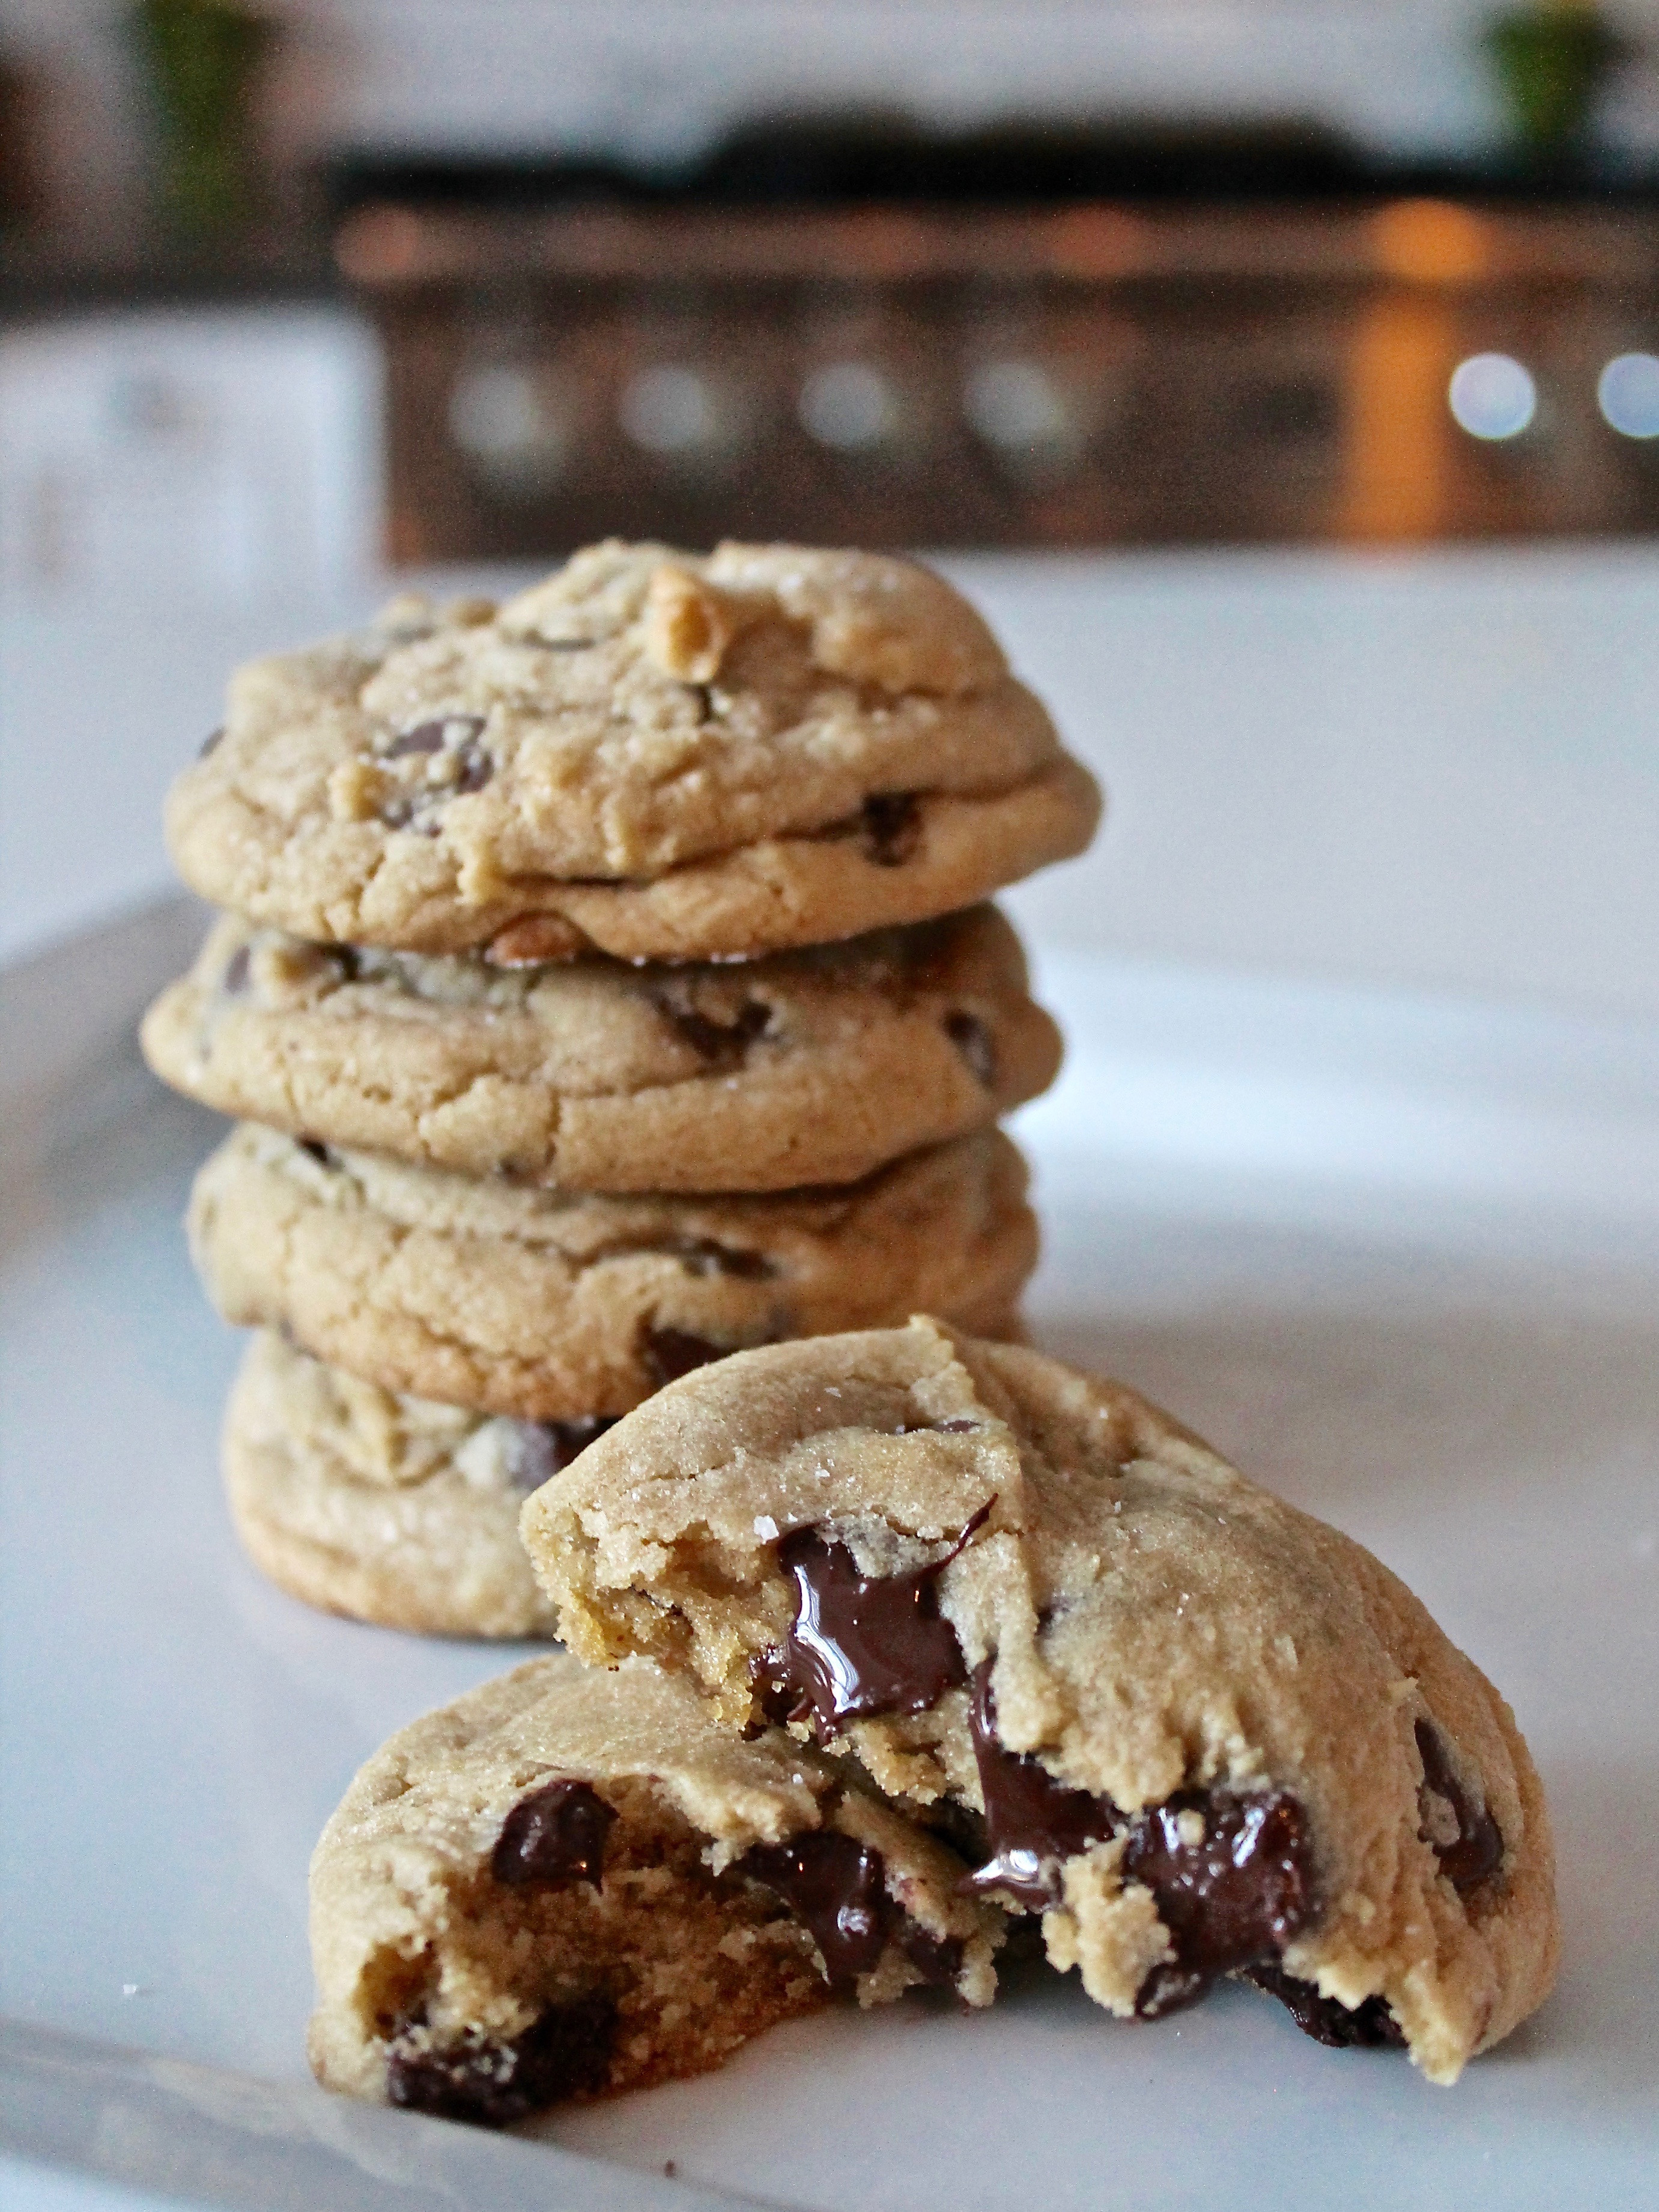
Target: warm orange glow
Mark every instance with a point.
(1395, 466)
(1430, 242)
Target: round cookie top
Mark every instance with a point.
(1204, 1733)
(429, 781)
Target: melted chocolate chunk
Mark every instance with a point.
(973, 1040)
(704, 1255)
(1368, 2026)
(211, 743)
(544, 1448)
(565, 2053)
(722, 1044)
(892, 827)
(1033, 1823)
(234, 981)
(552, 1837)
(833, 1885)
(475, 767)
(1476, 1852)
(457, 729)
(315, 1149)
(862, 1644)
(937, 1958)
(668, 1353)
(1232, 1896)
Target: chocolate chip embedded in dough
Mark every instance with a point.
(1033, 1823)
(892, 827)
(937, 1958)
(862, 1644)
(1475, 1852)
(722, 1044)
(564, 2053)
(541, 1450)
(446, 732)
(314, 1149)
(973, 1040)
(1233, 1880)
(553, 1837)
(1368, 2027)
(668, 1353)
(475, 766)
(833, 1885)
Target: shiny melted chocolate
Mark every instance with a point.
(564, 2053)
(1033, 1823)
(892, 827)
(1476, 1852)
(860, 1644)
(1368, 2027)
(553, 1837)
(668, 1353)
(1232, 1897)
(836, 1889)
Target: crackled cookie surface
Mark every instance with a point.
(396, 1509)
(571, 1883)
(661, 756)
(809, 1067)
(1199, 1731)
(515, 1299)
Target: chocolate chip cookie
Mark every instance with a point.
(573, 1882)
(1196, 1730)
(511, 1298)
(394, 1510)
(809, 1067)
(662, 756)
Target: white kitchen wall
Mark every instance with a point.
(660, 76)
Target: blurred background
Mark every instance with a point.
(1281, 375)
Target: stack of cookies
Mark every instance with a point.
(603, 988)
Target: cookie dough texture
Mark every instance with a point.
(809, 1068)
(388, 1509)
(1153, 1622)
(515, 1299)
(673, 757)
(435, 1978)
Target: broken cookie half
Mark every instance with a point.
(574, 1881)
(1198, 1732)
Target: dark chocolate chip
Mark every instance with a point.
(704, 1255)
(235, 977)
(552, 1837)
(476, 766)
(1476, 1852)
(973, 1040)
(892, 827)
(1033, 1823)
(424, 737)
(565, 2053)
(1368, 2027)
(705, 699)
(210, 744)
(833, 1885)
(541, 1450)
(722, 1044)
(1232, 1898)
(668, 1353)
(314, 1150)
(863, 1645)
(937, 1958)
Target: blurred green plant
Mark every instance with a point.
(1552, 60)
(202, 59)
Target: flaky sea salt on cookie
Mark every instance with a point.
(570, 1883)
(552, 1305)
(815, 1066)
(663, 756)
(1198, 1731)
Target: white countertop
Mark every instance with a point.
(1438, 769)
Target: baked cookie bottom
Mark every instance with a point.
(804, 1068)
(1196, 1730)
(393, 1509)
(571, 1882)
(510, 1298)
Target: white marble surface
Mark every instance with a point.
(1437, 770)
